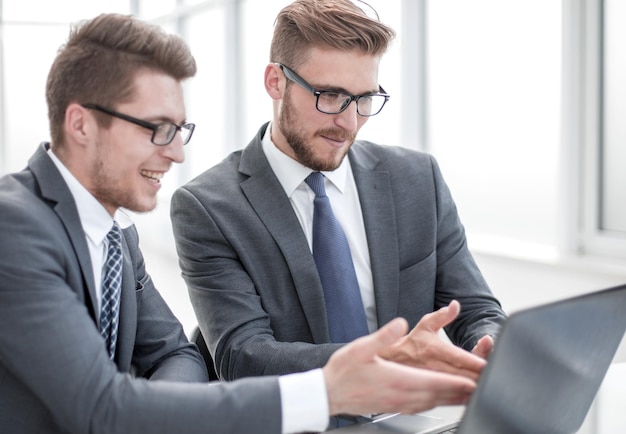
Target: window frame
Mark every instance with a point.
(593, 242)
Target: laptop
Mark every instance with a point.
(542, 377)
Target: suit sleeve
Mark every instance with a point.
(225, 296)
(458, 276)
(161, 350)
(53, 361)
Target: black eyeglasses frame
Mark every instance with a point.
(145, 124)
(293, 76)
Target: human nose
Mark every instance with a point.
(175, 150)
(349, 118)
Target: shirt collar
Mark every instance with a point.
(291, 173)
(94, 218)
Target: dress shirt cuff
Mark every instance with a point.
(304, 402)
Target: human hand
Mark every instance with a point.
(483, 347)
(359, 381)
(424, 348)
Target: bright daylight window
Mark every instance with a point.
(494, 90)
(491, 108)
(613, 180)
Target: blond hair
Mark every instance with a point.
(334, 24)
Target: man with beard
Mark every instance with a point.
(254, 263)
(87, 344)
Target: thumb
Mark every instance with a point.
(368, 346)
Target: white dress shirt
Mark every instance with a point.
(344, 198)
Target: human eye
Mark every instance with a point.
(165, 132)
(332, 97)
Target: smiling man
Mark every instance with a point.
(270, 289)
(87, 344)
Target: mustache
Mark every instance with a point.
(337, 133)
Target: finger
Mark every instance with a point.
(464, 359)
(437, 320)
(426, 389)
(454, 360)
(483, 347)
(451, 389)
(368, 346)
(445, 357)
(462, 371)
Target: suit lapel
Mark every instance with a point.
(127, 327)
(54, 189)
(377, 206)
(269, 201)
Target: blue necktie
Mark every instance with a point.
(111, 287)
(344, 307)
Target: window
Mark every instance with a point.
(602, 104)
(31, 33)
(613, 112)
(509, 96)
(493, 111)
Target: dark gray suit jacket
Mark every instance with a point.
(55, 374)
(252, 278)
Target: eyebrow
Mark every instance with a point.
(346, 91)
(161, 118)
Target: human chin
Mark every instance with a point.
(328, 160)
(143, 201)
(327, 155)
(138, 199)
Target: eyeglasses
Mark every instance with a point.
(332, 101)
(162, 134)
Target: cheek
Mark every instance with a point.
(123, 171)
(304, 113)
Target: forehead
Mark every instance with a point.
(157, 94)
(350, 70)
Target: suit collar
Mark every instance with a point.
(55, 190)
(375, 193)
(269, 201)
(291, 173)
(131, 287)
(373, 181)
(94, 218)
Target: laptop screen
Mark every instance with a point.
(547, 366)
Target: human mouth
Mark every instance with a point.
(336, 142)
(154, 177)
(336, 139)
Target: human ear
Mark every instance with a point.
(274, 81)
(78, 124)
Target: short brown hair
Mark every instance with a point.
(100, 60)
(335, 24)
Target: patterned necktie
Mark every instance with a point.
(344, 307)
(111, 287)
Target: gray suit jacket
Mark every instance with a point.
(55, 374)
(252, 278)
